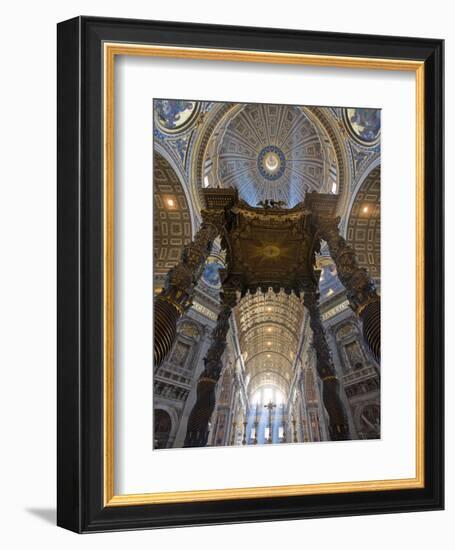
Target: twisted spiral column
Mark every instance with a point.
(175, 298)
(361, 292)
(338, 420)
(198, 421)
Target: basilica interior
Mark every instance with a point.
(267, 274)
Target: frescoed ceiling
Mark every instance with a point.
(174, 115)
(364, 125)
(270, 152)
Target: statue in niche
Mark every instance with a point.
(370, 421)
(180, 354)
(354, 354)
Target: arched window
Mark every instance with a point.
(267, 394)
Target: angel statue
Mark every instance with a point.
(264, 204)
(277, 204)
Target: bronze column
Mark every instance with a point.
(361, 291)
(179, 286)
(198, 421)
(338, 421)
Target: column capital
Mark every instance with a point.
(215, 218)
(228, 297)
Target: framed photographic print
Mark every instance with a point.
(250, 274)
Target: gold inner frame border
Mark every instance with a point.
(110, 51)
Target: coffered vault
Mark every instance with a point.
(268, 325)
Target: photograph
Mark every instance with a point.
(267, 273)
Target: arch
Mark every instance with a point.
(363, 230)
(357, 184)
(283, 356)
(343, 154)
(213, 119)
(163, 149)
(270, 378)
(171, 216)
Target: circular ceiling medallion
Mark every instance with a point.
(364, 125)
(271, 251)
(271, 162)
(175, 115)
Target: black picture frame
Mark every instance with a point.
(80, 474)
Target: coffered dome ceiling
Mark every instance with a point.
(271, 152)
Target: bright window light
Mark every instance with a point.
(264, 395)
(268, 395)
(257, 398)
